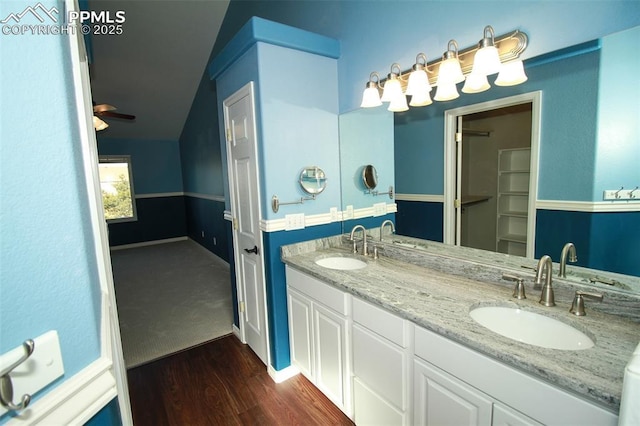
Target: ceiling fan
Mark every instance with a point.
(107, 111)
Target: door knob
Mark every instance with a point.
(254, 250)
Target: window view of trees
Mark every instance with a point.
(117, 191)
(117, 205)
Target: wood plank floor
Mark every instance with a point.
(224, 383)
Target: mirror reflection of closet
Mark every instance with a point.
(495, 179)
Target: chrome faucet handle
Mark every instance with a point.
(518, 291)
(577, 307)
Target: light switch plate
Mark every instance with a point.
(41, 368)
(348, 213)
(334, 214)
(380, 209)
(294, 221)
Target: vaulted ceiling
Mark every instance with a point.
(152, 70)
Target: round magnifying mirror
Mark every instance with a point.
(370, 177)
(313, 180)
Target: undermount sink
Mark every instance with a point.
(341, 263)
(531, 328)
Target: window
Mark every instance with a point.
(116, 184)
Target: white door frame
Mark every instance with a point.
(246, 90)
(110, 340)
(450, 121)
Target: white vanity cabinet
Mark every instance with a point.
(441, 399)
(381, 366)
(318, 335)
(452, 380)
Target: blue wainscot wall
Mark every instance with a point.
(157, 183)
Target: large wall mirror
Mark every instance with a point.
(589, 141)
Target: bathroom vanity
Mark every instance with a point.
(391, 340)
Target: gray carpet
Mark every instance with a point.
(170, 297)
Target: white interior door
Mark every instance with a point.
(239, 119)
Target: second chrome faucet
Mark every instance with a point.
(545, 265)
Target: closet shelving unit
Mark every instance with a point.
(513, 200)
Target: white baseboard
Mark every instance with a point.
(75, 401)
(236, 332)
(148, 243)
(280, 376)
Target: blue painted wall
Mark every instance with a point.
(155, 164)
(156, 171)
(373, 129)
(299, 128)
(48, 270)
(618, 148)
(607, 241)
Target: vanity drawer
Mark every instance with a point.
(381, 322)
(321, 292)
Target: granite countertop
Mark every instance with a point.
(441, 301)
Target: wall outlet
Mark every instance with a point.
(41, 368)
(215, 241)
(202, 234)
(348, 213)
(294, 221)
(379, 209)
(334, 214)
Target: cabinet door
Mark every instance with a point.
(331, 354)
(441, 399)
(505, 416)
(380, 377)
(300, 332)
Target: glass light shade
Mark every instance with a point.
(450, 72)
(486, 61)
(476, 83)
(511, 73)
(392, 90)
(370, 98)
(418, 82)
(398, 104)
(446, 92)
(421, 99)
(98, 124)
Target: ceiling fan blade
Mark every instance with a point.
(116, 115)
(103, 108)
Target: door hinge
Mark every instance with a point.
(241, 307)
(458, 137)
(234, 221)
(456, 203)
(228, 132)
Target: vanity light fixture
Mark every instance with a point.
(371, 95)
(486, 60)
(474, 62)
(450, 70)
(418, 86)
(511, 74)
(392, 91)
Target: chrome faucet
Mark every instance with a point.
(569, 249)
(385, 223)
(546, 297)
(364, 237)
